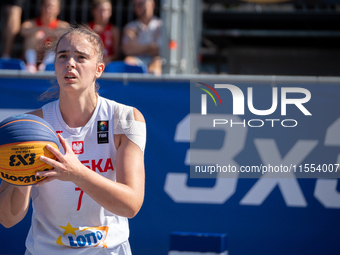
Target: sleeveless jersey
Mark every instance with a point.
(107, 38)
(66, 220)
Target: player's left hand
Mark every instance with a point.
(65, 168)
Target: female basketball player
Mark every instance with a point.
(98, 178)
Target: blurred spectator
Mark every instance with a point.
(102, 12)
(39, 32)
(13, 23)
(142, 38)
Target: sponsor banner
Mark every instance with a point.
(295, 215)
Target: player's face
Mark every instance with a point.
(76, 64)
(102, 13)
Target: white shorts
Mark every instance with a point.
(123, 249)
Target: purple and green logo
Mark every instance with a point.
(204, 97)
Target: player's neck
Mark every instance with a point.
(77, 111)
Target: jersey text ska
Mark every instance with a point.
(101, 165)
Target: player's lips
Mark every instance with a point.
(70, 76)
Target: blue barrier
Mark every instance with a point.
(122, 67)
(12, 64)
(189, 243)
(260, 215)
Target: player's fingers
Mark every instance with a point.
(49, 173)
(44, 181)
(50, 161)
(55, 151)
(64, 143)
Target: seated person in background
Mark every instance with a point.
(39, 32)
(13, 23)
(110, 35)
(142, 37)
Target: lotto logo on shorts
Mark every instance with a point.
(83, 237)
(78, 147)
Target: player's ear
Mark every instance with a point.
(100, 69)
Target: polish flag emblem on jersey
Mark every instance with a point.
(78, 147)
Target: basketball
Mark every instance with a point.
(23, 139)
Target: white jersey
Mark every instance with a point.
(65, 219)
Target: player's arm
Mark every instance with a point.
(123, 197)
(14, 203)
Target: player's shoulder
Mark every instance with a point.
(37, 112)
(138, 115)
(126, 112)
